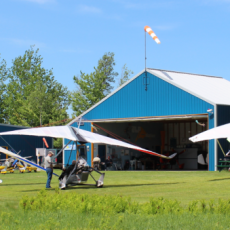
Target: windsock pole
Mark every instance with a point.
(156, 39)
(145, 65)
(145, 52)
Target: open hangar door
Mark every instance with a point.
(164, 135)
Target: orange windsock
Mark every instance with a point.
(46, 144)
(152, 34)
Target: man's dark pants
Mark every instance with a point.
(49, 172)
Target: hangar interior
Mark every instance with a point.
(161, 135)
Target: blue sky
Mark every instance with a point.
(72, 35)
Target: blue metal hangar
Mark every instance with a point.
(159, 110)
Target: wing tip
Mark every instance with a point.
(172, 156)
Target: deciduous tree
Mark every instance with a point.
(90, 91)
(93, 87)
(125, 73)
(33, 96)
(106, 66)
(3, 77)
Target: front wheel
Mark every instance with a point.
(99, 185)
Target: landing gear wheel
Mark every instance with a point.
(98, 186)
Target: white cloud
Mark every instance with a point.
(89, 9)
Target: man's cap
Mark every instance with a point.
(50, 152)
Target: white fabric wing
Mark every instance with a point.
(82, 135)
(54, 131)
(97, 138)
(222, 131)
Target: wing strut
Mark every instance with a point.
(79, 125)
(8, 144)
(61, 150)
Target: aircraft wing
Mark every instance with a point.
(97, 138)
(75, 134)
(222, 131)
(7, 152)
(13, 157)
(53, 131)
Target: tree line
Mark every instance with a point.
(30, 95)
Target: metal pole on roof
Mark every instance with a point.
(155, 38)
(145, 65)
(145, 51)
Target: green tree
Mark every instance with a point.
(125, 73)
(90, 91)
(57, 143)
(94, 86)
(105, 66)
(33, 96)
(3, 77)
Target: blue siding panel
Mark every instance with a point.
(161, 99)
(68, 156)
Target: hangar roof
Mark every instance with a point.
(215, 90)
(212, 89)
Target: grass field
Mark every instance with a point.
(184, 186)
(139, 185)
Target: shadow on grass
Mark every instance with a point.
(4, 185)
(220, 179)
(88, 186)
(119, 185)
(37, 190)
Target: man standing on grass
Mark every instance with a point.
(49, 168)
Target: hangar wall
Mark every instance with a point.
(69, 155)
(160, 99)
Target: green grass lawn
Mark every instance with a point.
(139, 185)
